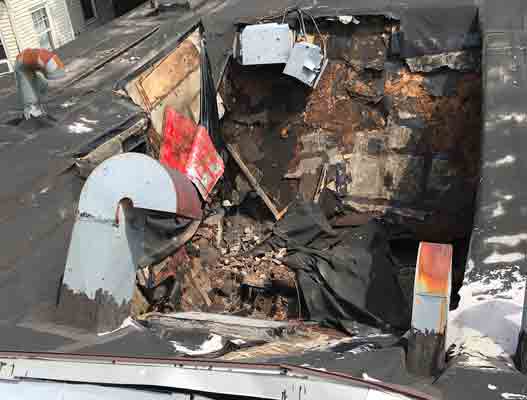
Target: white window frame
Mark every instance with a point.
(6, 60)
(50, 29)
(94, 8)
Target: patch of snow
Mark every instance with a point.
(68, 104)
(366, 377)
(496, 257)
(500, 195)
(508, 240)
(88, 121)
(362, 349)
(347, 19)
(508, 159)
(212, 344)
(514, 396)
(79, 128)
(488, 318)
(498, 211)
(469, 267)
(514, 116)
(491, 387)
(126, 323)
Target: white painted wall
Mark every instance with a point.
(22, 23)
(8, 36)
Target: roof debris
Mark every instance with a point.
(366, 155)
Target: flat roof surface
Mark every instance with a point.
(39, 189)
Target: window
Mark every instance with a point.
(4, 64)
(88, 9)
(43, 28)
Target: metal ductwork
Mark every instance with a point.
(108, 238)
(33, 68)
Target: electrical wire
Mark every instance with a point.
(301, 22)
(322, 39)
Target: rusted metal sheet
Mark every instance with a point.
(109, 233)
(426, 353)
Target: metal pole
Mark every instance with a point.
(426, 344)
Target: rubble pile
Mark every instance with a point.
(393, 139)
(219, 272)
(386, 135)
(305, 189)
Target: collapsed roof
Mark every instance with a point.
(41, 191)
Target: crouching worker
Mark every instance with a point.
(33, 68)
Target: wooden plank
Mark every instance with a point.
(254, 183)
(225, 325)
(170, 72)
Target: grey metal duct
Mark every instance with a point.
(108, 238)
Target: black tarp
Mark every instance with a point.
(209, 117)
(346, 277)
(439, 30)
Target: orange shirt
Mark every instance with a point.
(39, 59)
